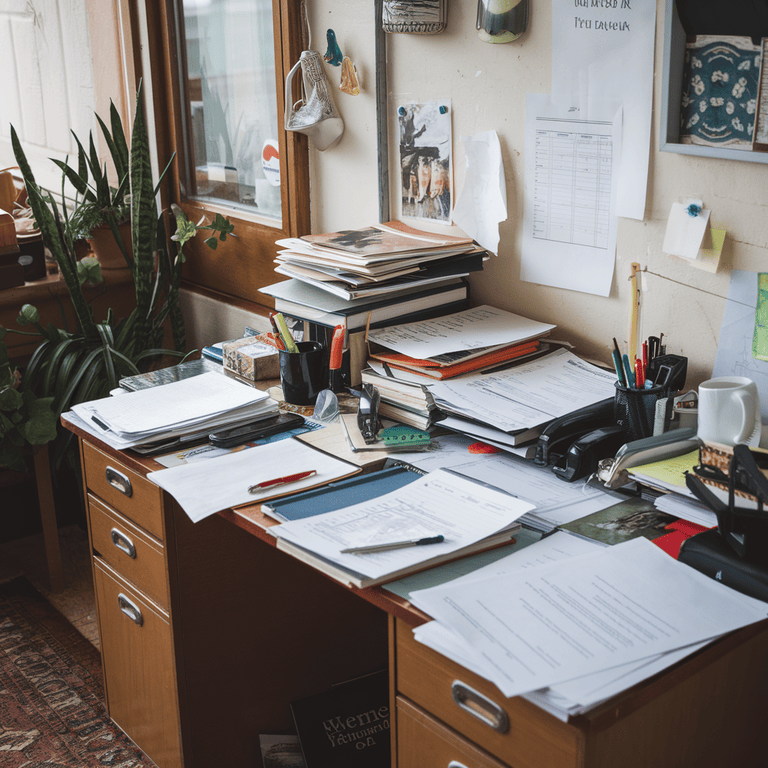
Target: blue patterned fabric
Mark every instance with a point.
(720, 83)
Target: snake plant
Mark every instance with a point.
(85, 362)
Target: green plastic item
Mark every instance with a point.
(402, 435)
(760, 336)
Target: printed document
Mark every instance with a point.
(440, 503)
(557, 622)
(476, 328)
(526, 395)
(203, 488)
(569, 222)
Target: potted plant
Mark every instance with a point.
(86, 362)
(102, 216)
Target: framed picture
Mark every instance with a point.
(760, 139)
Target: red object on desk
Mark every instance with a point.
(680, 530)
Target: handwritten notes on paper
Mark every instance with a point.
(602, 58)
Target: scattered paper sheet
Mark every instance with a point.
(204, 488)
(569, 222)
(685, 233)
(603, 54)
(482, 203)
(528, 394)
(476, 328)
(558, 622)
(734, 347)
(440, 503)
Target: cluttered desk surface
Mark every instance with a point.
(464, 495)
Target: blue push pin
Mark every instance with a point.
(694, 210)
(443, 109)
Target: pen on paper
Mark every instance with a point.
(281, 481)
(387, 546)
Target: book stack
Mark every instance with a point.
(377, 261)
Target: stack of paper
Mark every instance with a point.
(510, 406)
(471, 517)
(568, 625)
(190, 406)
(377, 261)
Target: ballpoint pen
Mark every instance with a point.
(619, 370)
(386, 547)
(628, 370)
(264, 484)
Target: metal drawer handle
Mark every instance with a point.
(120, 481)
(130, 609)
(479, 706)
(122, 542)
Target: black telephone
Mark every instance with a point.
(574, 444)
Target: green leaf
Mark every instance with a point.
(185, 229)
(89, 271)
(212, 242)
(28, 315)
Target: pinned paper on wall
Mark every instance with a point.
(692, 236)
(482, 204)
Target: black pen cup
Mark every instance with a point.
(303, 374)
(635, 410)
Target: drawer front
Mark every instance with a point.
(137, 557)
(128, 492)
(137, 657)
(423, 742)
(513, 730)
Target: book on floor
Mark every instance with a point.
(346, 726)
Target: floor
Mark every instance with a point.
(76, 601)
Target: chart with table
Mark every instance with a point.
(572, 185)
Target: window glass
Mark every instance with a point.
(232, 130)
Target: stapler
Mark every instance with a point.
(368, 413)
(584, 454)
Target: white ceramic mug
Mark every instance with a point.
(729, 411)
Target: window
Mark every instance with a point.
(218, 72)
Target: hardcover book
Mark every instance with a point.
(346, 726)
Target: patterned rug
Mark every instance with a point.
(52, 711)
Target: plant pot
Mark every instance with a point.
(106, 250)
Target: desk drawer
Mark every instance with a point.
(137, 655)
(136, 556)
(132, 495)
(424, 742)
(513, 730)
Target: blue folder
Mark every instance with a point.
(343, 493)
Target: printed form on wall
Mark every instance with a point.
(569, 225)
(602, 58)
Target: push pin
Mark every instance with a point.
(694, 210)
(443, 109)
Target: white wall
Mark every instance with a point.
(487, 85)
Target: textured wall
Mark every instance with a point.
(487, 85)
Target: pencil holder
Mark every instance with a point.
(635, 410)
(303, 374)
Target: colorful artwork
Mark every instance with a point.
(720, 88)
(425, 160)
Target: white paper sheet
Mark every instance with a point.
(528, 394)
(734, 347)
(561, 621)
(206, 487)
(439, 503)
(684, 233)
(569, 222)
(603, 52)
(483, 326)
(169, 405)
(482, 203)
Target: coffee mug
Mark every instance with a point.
(729, 411)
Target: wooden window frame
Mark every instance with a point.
(238, 268)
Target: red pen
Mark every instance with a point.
(281, 481)
(639, 373)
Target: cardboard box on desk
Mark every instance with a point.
(253, 357)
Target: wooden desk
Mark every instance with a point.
(208, 632)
